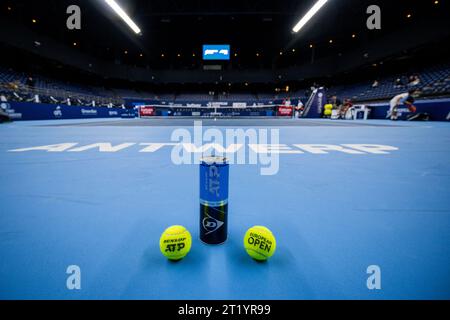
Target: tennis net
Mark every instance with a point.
(270, 111)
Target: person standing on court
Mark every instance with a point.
(299, 108)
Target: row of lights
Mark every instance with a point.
(235, 54)
(194, 55)
(311, 46)
(163, 55)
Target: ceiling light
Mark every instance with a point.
(319, 4)
(113, 4)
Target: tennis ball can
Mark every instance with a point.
(214, 174)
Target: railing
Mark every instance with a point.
(59, 94)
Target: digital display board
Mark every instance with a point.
(216, 52)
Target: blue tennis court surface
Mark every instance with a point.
(334, 214)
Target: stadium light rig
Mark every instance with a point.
(315, 8)
(121, 13)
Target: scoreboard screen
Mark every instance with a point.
(216, 52)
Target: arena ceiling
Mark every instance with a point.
(259, 31)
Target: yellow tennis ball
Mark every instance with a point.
(175, 242)
(260, 243)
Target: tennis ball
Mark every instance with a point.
(260, 243)
(175, 242)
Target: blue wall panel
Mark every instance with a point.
(42, 111)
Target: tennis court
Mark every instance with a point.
(65, 201)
